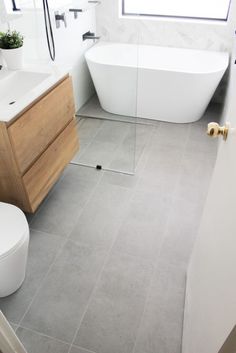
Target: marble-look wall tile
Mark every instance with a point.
(197, 35)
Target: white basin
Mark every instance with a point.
(15, 84)
(18, 89)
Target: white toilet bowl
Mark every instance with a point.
(14, 241)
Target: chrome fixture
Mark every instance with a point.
(91, 5)
(90, 35)
(59, 18)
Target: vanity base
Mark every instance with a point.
(36, 147)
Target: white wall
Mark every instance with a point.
(69, 45)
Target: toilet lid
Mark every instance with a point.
(13, 227)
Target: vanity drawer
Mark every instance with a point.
(33, 131)
(46, 170)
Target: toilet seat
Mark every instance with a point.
(13, 229)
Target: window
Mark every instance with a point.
(198, 9)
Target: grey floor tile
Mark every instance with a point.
(139, 239)
(100, 220)
(161, 326)
(37, 343)
(43, 249)
(143, 133)
(93, 109)
(195, 177)
(164, 157)
(120, 143)
(113, 316)
(88, 129)
(59, 213)
(123, 159)
(75, 349)
(168, 276)
(119, 179)
(14, 326)
(60, 303)
(98, 153)
(143, 230)
(143, 136)
(161, 170)
(112, 131)
(149, 205)
(112, 146)
(206, 145)
(172, 135)
(181, 232)
(129, 152)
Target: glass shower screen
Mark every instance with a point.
(107, 121)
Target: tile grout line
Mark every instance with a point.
(48, 197)
(90, 298)
(164, 235)
(42, 334)
(148, 137)
(79, 213)
(47, 336)
(42, 281)
(84, 349)
(118, 145)
(102, 269)
(93, 137)
(17, 325)
(47, 233)
(56, 257)
(98, 278)
(146, 147)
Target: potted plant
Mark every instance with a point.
(11, 44)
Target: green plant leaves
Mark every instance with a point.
(11, 40)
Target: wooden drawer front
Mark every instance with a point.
(45, 172)
(38, 127)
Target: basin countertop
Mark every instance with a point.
(19, 89)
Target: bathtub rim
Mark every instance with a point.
(91, 59)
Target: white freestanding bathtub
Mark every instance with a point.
(168, 84)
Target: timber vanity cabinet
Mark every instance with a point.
(36, 146)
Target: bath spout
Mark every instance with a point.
(90, 35)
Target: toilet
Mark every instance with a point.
(14, 241)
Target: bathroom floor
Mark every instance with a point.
(109, 252)
(110, 144)
(113, 141)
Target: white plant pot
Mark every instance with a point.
(13, 58)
